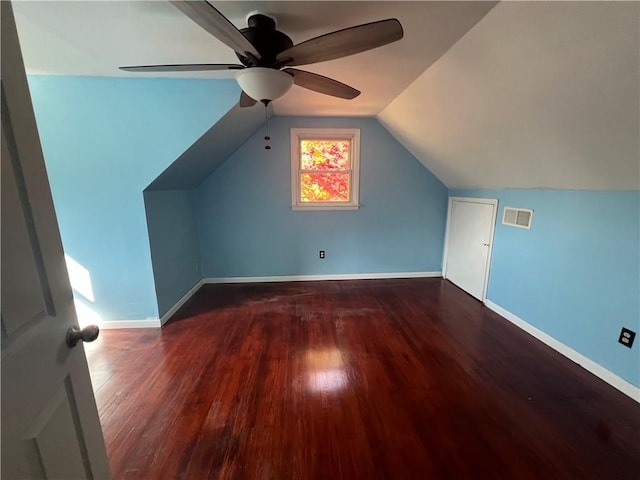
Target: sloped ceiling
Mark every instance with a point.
(211, 150)
(95, 37)
(528, 95)
(538, 94)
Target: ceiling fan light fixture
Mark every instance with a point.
(264, 84)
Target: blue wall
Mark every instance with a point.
(247, 227)
(576, 274)
(173, 238)
(104, 140)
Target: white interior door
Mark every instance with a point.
(50, 425)
(469, 238)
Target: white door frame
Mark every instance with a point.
(487, 201)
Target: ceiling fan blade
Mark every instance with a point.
(209, 18)
(186, 67)
(246, 100)
(342, 43)
(319, 83)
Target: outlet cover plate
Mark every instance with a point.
(626, 337)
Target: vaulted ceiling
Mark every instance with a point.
(537, 95)
(95, 37)
(522, 94)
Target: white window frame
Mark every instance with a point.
(351, 134)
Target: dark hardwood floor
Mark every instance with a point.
(375, 379)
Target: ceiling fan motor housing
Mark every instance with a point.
(268, 55)
(268, 41)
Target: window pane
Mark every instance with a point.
(325, 154)
(324, 187)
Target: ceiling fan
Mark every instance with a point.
(267, 55)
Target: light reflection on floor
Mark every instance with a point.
(325, 372)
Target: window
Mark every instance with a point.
(325, 168)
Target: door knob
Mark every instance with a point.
(87, 334)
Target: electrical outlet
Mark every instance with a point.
(321, 253)
(626, 337)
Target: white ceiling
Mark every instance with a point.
(533, 95)
(94, 38)
(537, 95)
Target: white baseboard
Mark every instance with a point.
(114, 324)
(599, 371)
(181, 302)
(330, 276)
(285, 278)
(153, 322)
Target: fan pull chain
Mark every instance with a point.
(266, 127)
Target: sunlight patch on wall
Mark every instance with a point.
(86, 315)
(80, 278)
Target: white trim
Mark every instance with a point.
(351, 134)
(314, 206)
(599, 371)
(115, 324)
(488, 201)
(310, 278)
(181, 302)
(156, 323)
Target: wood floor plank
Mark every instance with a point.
(355, 380)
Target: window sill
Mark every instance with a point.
(324, 207)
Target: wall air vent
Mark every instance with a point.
(517, 217)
